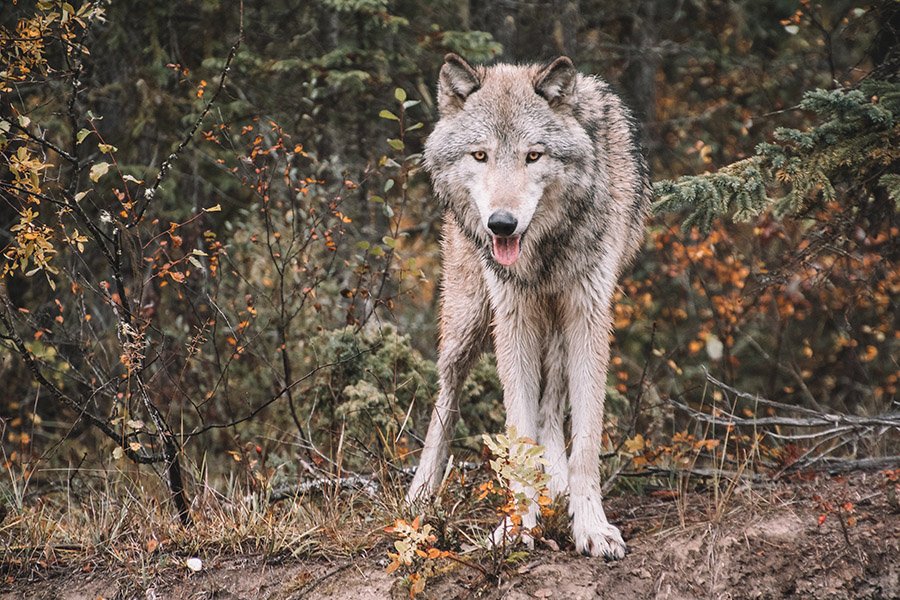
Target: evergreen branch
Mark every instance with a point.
(855, 141)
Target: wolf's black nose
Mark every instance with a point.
(502, 223)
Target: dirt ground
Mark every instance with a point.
(818, 537)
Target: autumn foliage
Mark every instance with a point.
(220, 257)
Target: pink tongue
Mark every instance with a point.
(506, 249)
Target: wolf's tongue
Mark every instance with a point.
(506, 249)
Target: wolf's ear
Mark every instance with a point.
(457, 81)
(556, 81)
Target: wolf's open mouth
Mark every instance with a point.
(506, 249)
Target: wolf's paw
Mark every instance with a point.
(593, 534)
(504, 536)
(603, 540)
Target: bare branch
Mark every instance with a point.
(150, 192)
(815, 418)
(60, 396)
(283, 391)
(46, 144)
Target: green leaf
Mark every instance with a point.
(389, 241)
(517, 556)
(400, 94)
(396, 144)
(106, 148)
(388, 185)
(386, 114)
(415, 126)
(83, 133)
(98, 170)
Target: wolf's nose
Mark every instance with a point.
(502, 223)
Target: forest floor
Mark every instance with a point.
(812, 537)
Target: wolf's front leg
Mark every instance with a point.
(587, 326)
(465, 320)
(518, 329)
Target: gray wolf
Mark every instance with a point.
(545, 193)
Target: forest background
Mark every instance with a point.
(221, 263)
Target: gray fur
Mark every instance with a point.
(581, 207)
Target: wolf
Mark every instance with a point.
(545, 192)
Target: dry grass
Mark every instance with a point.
(120, 517)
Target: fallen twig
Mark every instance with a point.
(813, 418)
(830, 426)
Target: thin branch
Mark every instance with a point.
(816, 419)
(60, 396)
(843, 465)
(278, 394)
(46, 143)
(822, 420)
(150, 192)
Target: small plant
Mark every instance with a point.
(415, 553)
(519, 481)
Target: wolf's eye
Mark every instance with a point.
(480, 155)
(533, 156)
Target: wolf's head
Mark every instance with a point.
(504, 150)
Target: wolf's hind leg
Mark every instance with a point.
(465, 320)
(551, 434)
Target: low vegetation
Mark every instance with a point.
(219, 267)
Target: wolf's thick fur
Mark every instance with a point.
(545, 193)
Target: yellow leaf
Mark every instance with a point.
(98, 170)
(636, 444)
